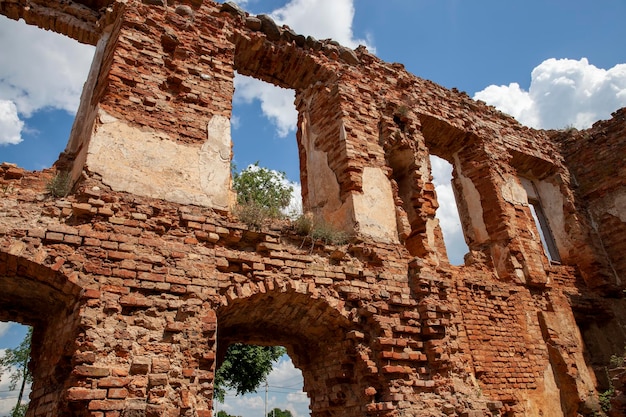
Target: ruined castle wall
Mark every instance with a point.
(158, 123)
(158, 277)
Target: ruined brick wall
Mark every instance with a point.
(148, 276)
(596, 159)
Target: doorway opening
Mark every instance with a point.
(280, 393)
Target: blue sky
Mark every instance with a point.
(549, 63)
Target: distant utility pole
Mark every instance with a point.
(265, 415)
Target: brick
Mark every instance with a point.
(81, 394)
(113, 382)
(106, 405)
(91, 371)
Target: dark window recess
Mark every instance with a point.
(547, 240)
(541, 221)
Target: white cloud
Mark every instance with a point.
(448, 213)
(45, 69)
(277, 103)
(285, 374)
(319, 18)
(10, 129)
(294, 209)
(562, 92)
(4, 327)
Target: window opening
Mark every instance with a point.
(541, 221)
(264, 121)
(41, 109)
(448, 212)
(282, 390)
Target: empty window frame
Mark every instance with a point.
(541, 221)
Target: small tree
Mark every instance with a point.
(261, 194)
(244, 368)
(277, 412)
(15, 362)
(223, 413)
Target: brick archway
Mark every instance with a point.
(37, 295)
(323, 337)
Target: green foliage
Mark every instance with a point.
(244, 368)
(277, 412)
(319, 230)
(617, 361)
(605, 399)
(223, 413)
(269, 190)
(19, 410)
(60, 185)
(15, 362)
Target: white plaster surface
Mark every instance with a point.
(374, 209)
(149, 163)
(513, 192)
(470, 194)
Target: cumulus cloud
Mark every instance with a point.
(285, 374)
(562, 92)
(277, 103)
(321, 19)
(10, 129)
(45, 69)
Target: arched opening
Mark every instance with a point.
(281, 390)
(15, 385)
(313, 334)
(38, 111)
(33, 295)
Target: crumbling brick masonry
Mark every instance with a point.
(137, 281)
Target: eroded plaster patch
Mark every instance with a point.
(374, 209)
(513, 192)
(617, 206)
(149, 163)
(552, 203)
(478, 229)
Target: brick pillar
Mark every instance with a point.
(344, 177)
(144, 355)
(407, 157)
(494, 213)
(154, 119)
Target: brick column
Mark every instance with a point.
(155, 113)
(143, 355)
(345, 179)
(494, 214)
